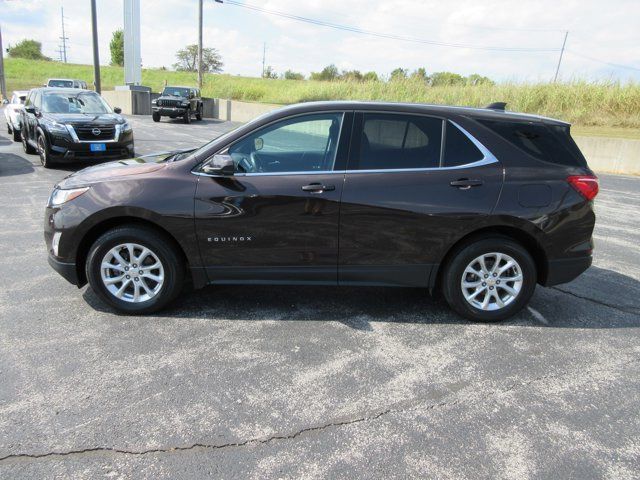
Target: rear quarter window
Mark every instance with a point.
(551, 143)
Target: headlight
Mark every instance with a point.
(55, 127)
(126, 127)
(58, 196)
(154, 101)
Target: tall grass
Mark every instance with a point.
(583, 103)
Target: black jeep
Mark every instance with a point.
(175, 102)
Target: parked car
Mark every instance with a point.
(70, 125)
(66, 83)
(174, 102)
(12, 113)
(480, 203)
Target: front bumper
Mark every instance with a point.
(169, 111)
(64, 149)
(566, 269)
(67, 270)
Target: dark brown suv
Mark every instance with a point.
(481, 203)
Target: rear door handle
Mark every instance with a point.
(318, 188)
(466, 183)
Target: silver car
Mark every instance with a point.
(12, 113)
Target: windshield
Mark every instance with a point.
(61, 83)
(176, 91)
(74, 103)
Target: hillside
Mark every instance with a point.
(598, 108)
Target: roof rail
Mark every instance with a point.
(497, 106)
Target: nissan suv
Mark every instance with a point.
(178, 102)
(481, 204)
(66, 125)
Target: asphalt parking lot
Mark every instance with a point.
(313, 382)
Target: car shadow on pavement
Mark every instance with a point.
(11, 164)
(566, 306)
(4, 141)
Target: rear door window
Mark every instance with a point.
(394, 141)
(458, 148)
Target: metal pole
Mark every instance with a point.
(566, 34)
(200, 44)
(264, 55)
(96, 55)
(3, 87)
(64, 37)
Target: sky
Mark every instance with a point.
(604, 36)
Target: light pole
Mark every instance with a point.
(200, 2)
(96, 55)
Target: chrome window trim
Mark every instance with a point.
(273, 174)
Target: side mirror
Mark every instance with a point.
(117, 110)
(30, 109)
(220, 165)
(5, 101)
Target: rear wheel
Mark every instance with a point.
(155, 116)
(489, 279)
(135, 270)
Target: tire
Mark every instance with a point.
(199, 113)
(28, 149)
(187, 116)
(153, 295)
(489, 282)
(16, 135)
(43, 150)
(156, 117)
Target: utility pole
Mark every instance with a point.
(3, 87)
(564, 43)
(64, 38)
(96, 54)
(264, 56)
(200, 44)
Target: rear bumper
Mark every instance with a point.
(566, 269)
(66, 270)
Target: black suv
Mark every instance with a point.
(71, 125)
(174, 102)
(481, 203)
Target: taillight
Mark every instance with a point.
(586, 185)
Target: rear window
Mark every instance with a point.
(551, 143)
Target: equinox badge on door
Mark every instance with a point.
(229, 239)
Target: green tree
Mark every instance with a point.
(398, 74)
(446, 78)
(117, 48)
(30, 49)
(291, 75)
(269, 72)
(352, 76)
(370, 77)
(475, 79)
(188, 60)
(328, 73)
(420, 75)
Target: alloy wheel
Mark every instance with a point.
(132, 273)
(491, 281)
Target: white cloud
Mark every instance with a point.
(607, 32)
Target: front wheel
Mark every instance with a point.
(199, 113)
(155, 116)
(26, 146)
(43, 151)
(16, 135)
(489, 279)
(135, 270)
(187, 116)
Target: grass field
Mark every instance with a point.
(604, 108)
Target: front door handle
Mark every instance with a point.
(318, 188)
(466, 183)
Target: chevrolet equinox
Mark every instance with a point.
(482, 204)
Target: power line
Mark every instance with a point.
(390, 36)
(618, 65)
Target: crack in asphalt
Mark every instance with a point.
(336, 423)
(620, 308)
